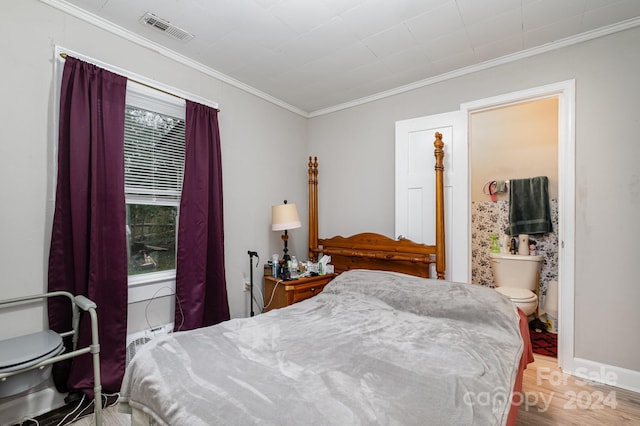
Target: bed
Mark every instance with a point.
(382, 344)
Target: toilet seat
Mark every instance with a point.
(518, 295)
(24, 351)
(524, 299)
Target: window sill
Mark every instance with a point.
(147, 286)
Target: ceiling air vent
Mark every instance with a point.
(166, 27)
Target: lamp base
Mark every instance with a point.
(285, 257)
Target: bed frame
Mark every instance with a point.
(375, 251)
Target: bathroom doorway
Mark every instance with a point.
(515, 141)
(512, 141)
(519, 135)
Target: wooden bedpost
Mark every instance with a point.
(313, 207)
(440, 242)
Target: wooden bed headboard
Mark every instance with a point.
(375, 251)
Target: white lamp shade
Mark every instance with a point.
(284, 216)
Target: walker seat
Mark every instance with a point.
(22, 352)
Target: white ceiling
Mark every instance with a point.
(315, 55)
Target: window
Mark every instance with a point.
(153, 190)
(154, 145)
(151, 238)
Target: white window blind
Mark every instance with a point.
(153, 154)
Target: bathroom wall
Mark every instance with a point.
(525, 145)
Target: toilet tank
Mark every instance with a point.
(518, 271)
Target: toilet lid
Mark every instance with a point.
(25, 351)
(517, 294)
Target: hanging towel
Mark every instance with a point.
(529, 211)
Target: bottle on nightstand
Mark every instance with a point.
(294, 268)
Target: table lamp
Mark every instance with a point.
(283, 218)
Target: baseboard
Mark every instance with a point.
(37, 401)
(603, 373)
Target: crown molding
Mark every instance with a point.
(117, 30)
(569, 41)
(141, 41)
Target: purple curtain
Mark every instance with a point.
(201, 288)
(88, 254)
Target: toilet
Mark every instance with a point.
(516, 277)
(23, 352)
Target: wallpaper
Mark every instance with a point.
(489, 218)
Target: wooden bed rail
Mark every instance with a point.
(375, 251)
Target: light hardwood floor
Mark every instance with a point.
(550, 398)
(555, 398)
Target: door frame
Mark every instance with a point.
(565, 92)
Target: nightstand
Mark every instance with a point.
(290, 292)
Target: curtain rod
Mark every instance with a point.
(64, 56)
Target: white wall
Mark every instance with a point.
(355, 150)
(263, 152)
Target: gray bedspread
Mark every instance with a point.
(372, 348)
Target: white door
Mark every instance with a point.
(415, 186)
